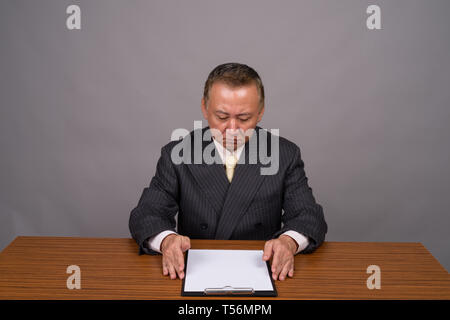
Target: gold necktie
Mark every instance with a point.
(230, 164)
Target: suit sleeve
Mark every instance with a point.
(301, 212)
(157, 206)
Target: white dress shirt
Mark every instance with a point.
(154, 242)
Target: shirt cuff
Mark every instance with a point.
(154, 242)
(301, 240)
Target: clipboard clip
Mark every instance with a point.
(228, 290)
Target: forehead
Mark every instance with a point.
(224, 96)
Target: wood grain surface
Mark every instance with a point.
(35, 268)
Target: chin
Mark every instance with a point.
(234, 145)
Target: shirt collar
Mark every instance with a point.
(225, 152)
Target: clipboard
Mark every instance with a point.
(261, 275)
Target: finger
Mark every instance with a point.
(291, 272)
(179, 258)
(268, 247)
(172, 264)
(175, 260)
(172, 272)
(185, 244)
(276, 264)
(286, 268)
(164, 265)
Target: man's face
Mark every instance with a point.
(232, 111)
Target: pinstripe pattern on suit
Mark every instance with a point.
(209, 207)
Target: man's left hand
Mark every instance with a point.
(283, 250)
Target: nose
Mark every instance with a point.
(232, 125)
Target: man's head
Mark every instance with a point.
(233, 102)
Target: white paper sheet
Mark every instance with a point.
(221, 268)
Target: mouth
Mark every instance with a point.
(230, 140)
(233, 142)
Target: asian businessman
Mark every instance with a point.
(232, 197)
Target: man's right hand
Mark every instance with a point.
(172, 247)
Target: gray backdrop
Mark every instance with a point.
(84, 113)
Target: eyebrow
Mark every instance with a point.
(239, 115)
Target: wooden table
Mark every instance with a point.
(35, 268)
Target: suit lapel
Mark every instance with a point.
(213, 182)
(229, 200)
(211, 178)
(246, 181)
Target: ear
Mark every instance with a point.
(260, 115)
(204, 110)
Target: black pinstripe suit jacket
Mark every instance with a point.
(251, 207)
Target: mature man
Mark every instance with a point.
(230, 198)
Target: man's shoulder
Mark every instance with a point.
(285, 145)
(169, 146)
(186, 139)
